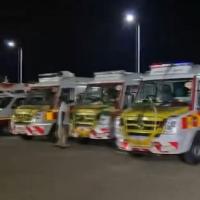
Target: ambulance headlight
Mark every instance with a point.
(38, 117)
(171, 126)
(13, 117)
(118, 130)
(119, 122)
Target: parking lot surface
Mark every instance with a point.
(34, 170)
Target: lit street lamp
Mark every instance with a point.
(131, 19)
(12, 44)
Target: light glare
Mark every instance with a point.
(11, 43)
(130, 18)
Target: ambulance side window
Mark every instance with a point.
(130, 94)
(18, 102)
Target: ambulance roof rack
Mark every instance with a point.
(54, 77)
(75, 81)
(83, 80)
(118, 75)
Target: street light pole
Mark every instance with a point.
(20, 64)
(12, 44)
(130, 19)
(138, 52)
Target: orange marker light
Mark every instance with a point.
(49, 116)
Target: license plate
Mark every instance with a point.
(140, 141)
(83, 128)
(20, 129)
(138, 138)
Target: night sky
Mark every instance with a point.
(90, 35)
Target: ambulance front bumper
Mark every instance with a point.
(32, 129)
(165, 144)
(92, 133)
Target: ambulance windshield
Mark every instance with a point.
(168, 92)
(39, 98)
(103, 93)
(4, 101)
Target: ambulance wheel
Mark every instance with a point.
(111, 143)
(135, 154)
(26, 137)
(193, 155)
(83, 140)
(5, 131)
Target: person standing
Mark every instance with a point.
(63, 123)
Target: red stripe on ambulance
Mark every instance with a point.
(39, 129)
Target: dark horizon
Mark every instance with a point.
(88, 36)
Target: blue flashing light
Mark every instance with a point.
(182, 63)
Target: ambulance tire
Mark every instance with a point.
(193, 155)
(52, 136)
(83, 140)
(26, 137)
(135, 154)
(5, 131)
(111, 143)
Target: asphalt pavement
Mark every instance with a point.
(36, 170)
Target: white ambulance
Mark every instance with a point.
(11, 96)
(37, 117)
(165, 117)
(105, 98)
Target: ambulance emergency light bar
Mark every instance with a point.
(114, 75)
(171, 64)
(171, 68)
(54, 77)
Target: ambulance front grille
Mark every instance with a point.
(84, 120)
(142, 127)
(23, 118)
